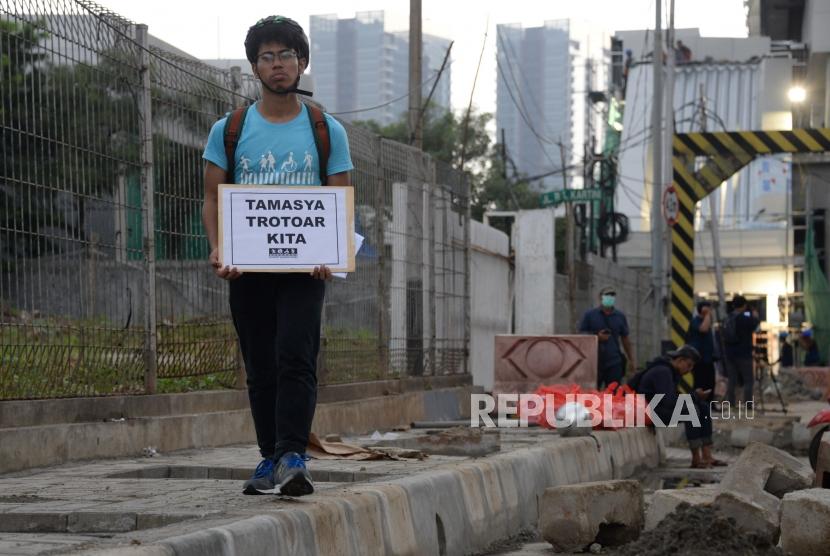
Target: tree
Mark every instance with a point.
(443, 135)
(444, 138)
(71, 134)
(70, 130)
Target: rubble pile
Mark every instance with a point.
(698, 531)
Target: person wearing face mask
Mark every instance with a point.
(611, 328)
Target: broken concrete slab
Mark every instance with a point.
(749, 515)
(752, 489)
(664, 502)
(805, 522)
(764, 470)
(571, 517)
(743, 437)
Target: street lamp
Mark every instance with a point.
(797, 94)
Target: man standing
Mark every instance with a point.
(611, 327)
(276, 315)
(737, 333)
(701, 337)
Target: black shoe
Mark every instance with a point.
(292, 477)
(262, 482)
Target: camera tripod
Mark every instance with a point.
(763, 368)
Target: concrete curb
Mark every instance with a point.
(39, 446)
(456, 509)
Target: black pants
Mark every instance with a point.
(277, 319)
(702, 435)
(739, 369)
(606, 376)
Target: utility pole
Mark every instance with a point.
(415, 38)
(714, 224)
(569, 242)
(668, 141)
(657, 185)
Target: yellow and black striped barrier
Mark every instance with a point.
(726, 153)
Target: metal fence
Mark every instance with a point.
(104, 286)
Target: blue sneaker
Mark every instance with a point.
(292, 477)
(262, 482)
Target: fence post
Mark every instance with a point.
(145, 121)
(380, 240)
(431, 211)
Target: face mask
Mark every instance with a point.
(608, 301)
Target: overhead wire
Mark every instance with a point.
(436, 75)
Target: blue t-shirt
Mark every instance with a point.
(281, 154)
(595, 320)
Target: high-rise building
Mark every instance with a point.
(359, 65)
(544, 77)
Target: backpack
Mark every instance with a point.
(634, 381)
(729, 333)
(319, 128)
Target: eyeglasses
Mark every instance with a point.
(286, 55)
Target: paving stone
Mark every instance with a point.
(805, 522)
(100, 522)
(572, 517)
(15, 522)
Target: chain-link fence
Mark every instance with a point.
(104, 286)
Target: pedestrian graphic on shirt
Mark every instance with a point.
(245, 161)
(289, 165)
(307, 159)
(263, 163)
(272, 162)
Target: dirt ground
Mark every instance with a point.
(696, 531)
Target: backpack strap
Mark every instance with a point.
(231, 135)
(322, 139)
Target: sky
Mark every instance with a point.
(216, 29)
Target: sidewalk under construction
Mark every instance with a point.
(190, 502)
(490, 495)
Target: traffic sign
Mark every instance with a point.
(671, 206)
(552, 198)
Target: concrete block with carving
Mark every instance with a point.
(523, 363)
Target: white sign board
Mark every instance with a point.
(272, 228)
